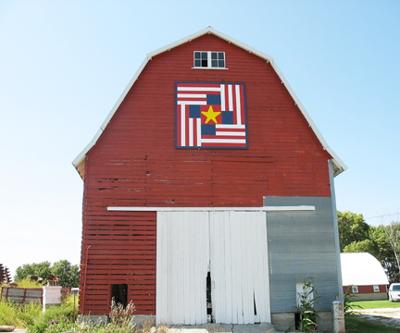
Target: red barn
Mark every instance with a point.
(363, 276)
(208, 193)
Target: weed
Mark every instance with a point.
(308, 315)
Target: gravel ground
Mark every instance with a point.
(390, 316)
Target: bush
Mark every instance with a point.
(58, 319)
(61, 326)
(55, 315)
(28, 283)
(20, 315)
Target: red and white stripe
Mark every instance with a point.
(232, 99)
(189, 129)
(196, 94)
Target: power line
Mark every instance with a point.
(383, 215)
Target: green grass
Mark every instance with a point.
(28, 283)
(30, 315)
(374, 304)
(361, 325)
(19, 315)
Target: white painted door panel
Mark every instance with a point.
(239, 267)
(182, 266)
(233, 246)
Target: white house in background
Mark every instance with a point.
(363, 276)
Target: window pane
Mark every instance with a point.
(221, 63)
(204, 63)
(197, 63)
(197, 55)
(221, 55)
(203, 55)
(214, 63)
(213, 55)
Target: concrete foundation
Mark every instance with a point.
(325, 322)
(149, 321)
(286, 321)
(283, 321)
(223, 328)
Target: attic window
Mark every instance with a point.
(209, 59)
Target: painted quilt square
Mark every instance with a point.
(211, 115)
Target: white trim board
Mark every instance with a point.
(210, 209)
(339, 166)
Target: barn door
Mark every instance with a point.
(239, 267)
(182, 266)
(230, 247)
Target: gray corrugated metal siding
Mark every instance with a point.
(301, 245)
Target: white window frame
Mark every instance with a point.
(209, 63)
(376, 288)
(354, 289)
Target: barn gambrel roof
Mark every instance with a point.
(79, 161)
(362, 269)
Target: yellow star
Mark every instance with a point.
(210, 115)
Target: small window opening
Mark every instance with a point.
(119, 293)
(354, 289)
(376, 289)
(210, 318)
(208, 59)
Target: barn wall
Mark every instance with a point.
(366, 289)
(301, 246)
(122, 250)
(367, 292)
(135, 163)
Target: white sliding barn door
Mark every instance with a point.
(239, 267)
(232, 246)
(182, 266)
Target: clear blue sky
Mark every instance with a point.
(63, 64)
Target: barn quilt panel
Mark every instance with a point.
(211, 115)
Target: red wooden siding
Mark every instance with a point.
(366, 289)
(122, 251)
(135, 163)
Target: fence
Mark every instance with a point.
(22, 295)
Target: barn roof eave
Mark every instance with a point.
(79, 161)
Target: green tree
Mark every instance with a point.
(67, 273)
(352, 228)
(384, 251)
(41, 269)
(392, 232)
(383, 242)
(366, 245)
(63, 269)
